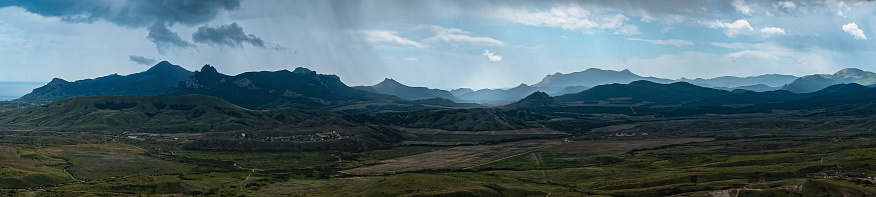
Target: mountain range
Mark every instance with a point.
(306, 89)
(161, 76)
(593, 77)
(768, 80)
(561, 84)
(392, 87)
(301, 88)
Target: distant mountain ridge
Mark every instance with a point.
(812, 83)
(391, 87)
(161, 76)
(512, 94)
(307, 89)
(594, 77)
(772, 80)
(301, 88)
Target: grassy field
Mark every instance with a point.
(22, 167)
(778, 166)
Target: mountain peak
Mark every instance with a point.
(208, 69)
(389, 82)
(534, 100)
(58, 81)
(164, 66)
(302, 70)
(850, 73)
(538, 95)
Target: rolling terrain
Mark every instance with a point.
(207, 136)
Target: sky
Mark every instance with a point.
(437, 44)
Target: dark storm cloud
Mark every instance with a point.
(230, 35)
(128, 13)
(165, 39)
(142, 60)
(155, 15)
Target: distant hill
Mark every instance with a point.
(836, 100)
(812, 83)
(301, 88)
(534, 100)
(392, 87)
(771, 80)
(638, 91)
(193, 113)
(161, 76)
(747, 98)
(593, 77)
(461, 91)
(512, 94)
(759, 88)
(570, 90)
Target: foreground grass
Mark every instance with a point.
(749, 167)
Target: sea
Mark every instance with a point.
(10, 90)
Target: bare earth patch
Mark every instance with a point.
(530, 131)
(9, 158)
(114, 147)
(618, 146)
(455, 158)
(614, 128)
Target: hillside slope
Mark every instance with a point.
(192, 113)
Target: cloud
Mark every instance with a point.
(677, 43)
(453, 37)
(411, 59)
(388, 37)
(230, 35)
(165, 39)
(570, 17)
(664, 18)
(628, 30)
(614, 21)
(733, 29)
(787, 4)
(772, 30)
(853, 30)
(741, 7)
(752, 53)
(492, 57)
(462, 40)
(155, 15)
(142, 60)
(440, 30)
(838, 7)
(128, 13)
(730, 45)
